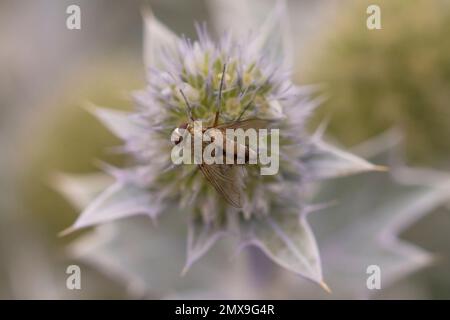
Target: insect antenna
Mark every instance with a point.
(188, 106)
(219, 98)
(247, 106)
(243, 111)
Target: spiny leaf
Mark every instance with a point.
(201, 237)
(288, 241)
(430, 233)
(149, 258)
(326, 161)
(80, 189)
(120, 123)
(156, 37)
(237, 16)
(120, 200)
(362, 230)
(275, 36)
(272, 31)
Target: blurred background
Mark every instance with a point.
(373, 79)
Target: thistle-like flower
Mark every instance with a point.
(245, 79)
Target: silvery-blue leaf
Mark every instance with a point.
(326, 161)
(120, 200)
(362, 229)
(430, 233)
(288, 241)
(149, 258)
(238, 16)
(120, 123)
(156, 38)
(270, 27)
(274, 36)
(201, 237)
(81, 189)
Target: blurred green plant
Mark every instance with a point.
(67, 138)
(396, 76)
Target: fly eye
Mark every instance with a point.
(180, 138)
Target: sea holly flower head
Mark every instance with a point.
(244, 78)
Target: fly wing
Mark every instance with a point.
(227, 180)
(243, 151)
